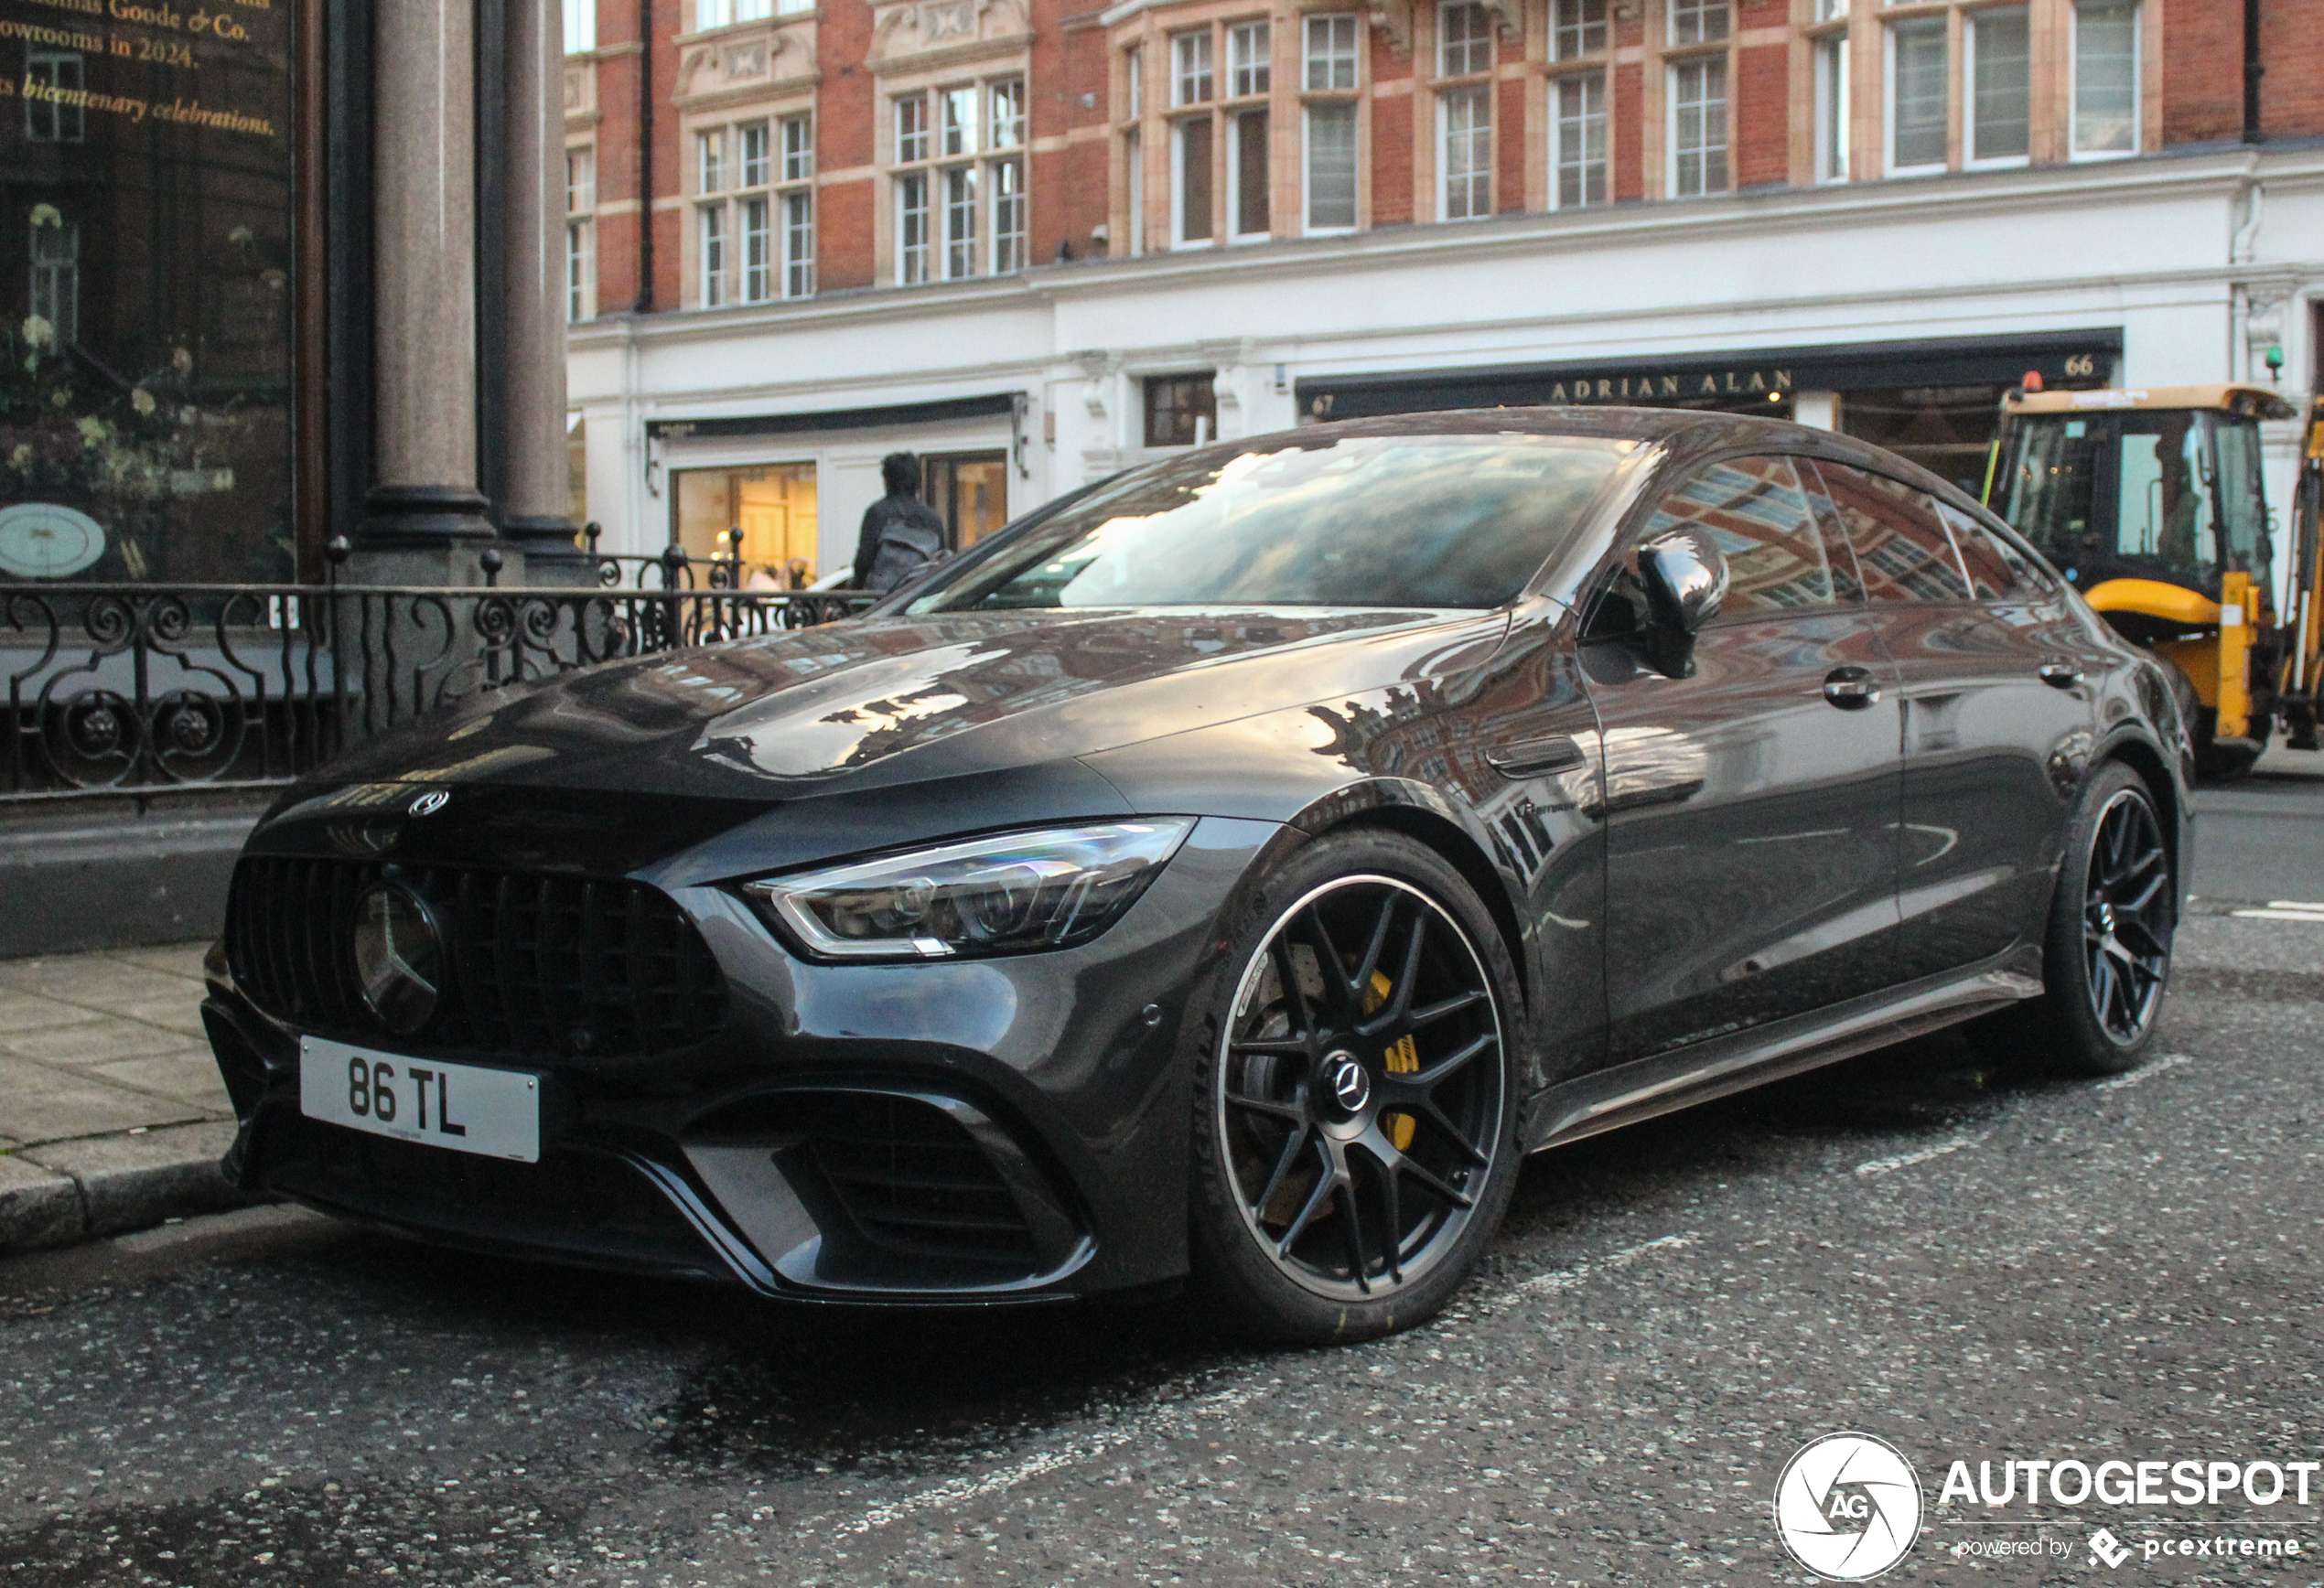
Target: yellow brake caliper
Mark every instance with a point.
(1403, 1058)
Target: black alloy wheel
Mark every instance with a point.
(2105, 961)
(2126, 918)
(1360, 1100)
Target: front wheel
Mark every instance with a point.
(1355, 1138)
(2106, 960)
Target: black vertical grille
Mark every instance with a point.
(540, 965)
(913, 1181)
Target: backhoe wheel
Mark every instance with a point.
(2214, 763)
(2218, 763)
(1355, 1108)
(2106, 957)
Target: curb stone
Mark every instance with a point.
(37, 1208)
(71, 1191)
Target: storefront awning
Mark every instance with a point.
(888, 416)
(2078, 357)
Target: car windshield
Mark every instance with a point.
(1363, 521)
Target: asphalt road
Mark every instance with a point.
(1971, 1262)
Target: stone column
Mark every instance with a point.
(536, 514)
(425, 494)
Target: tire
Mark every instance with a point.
(2217, 763)
(1362, 974)
(2106, 951)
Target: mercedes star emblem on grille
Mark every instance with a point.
(399, 957)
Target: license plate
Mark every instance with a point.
(495, 1113)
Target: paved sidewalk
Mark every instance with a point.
(112, 1114)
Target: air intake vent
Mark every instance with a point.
(914, 1182)
(541, 966)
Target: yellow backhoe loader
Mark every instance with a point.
(2152, 502)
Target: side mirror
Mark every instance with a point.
(1685, 580)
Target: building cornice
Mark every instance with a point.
(2040, 190)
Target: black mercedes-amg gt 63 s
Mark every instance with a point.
(1225, 875)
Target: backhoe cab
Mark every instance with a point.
(2152, 502)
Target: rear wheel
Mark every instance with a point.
(2106, 960)
(1355, 1133)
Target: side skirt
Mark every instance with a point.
(1608, 1099)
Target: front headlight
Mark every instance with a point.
(1011, 892)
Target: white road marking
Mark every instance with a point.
(1149, 1425)
(959, 1489)
(1558, 1279)
(1163, 1419)
(2293, 904)
(1907, 1160)
(2169, 1061)
(2309, 913)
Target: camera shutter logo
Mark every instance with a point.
(1848, 1506)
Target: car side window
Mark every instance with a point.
(1757, 511)
(1902, 548)
(1997, 570)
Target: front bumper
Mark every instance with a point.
(978, 1130)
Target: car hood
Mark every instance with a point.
(877, 702)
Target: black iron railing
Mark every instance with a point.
(138, 688)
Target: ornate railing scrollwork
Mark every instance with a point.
(114, 688)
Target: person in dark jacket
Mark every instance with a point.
(901, 533)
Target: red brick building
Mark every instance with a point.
(939, 139)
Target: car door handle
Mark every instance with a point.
(2060, 674)
(1533, 757)
(1851, 688)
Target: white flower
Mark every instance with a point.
(39, 332)
(21, 456)
(141, 399)
(47, 215)
(93, 430)
(182, 361)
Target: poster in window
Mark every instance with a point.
(145, 202)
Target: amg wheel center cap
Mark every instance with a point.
(1351, 1083)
